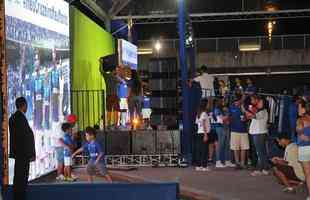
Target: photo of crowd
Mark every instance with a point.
(39, 70)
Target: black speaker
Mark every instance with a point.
(108, 63)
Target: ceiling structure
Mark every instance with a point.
(211, 18)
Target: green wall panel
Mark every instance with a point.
(89, 42)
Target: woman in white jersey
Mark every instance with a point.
(202, 141)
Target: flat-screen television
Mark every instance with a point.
(37, 53)
(128, 54)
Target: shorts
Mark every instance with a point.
(304, 153)
(212, 136)
(288, 171)
(68, 161)
(59, 155)
(239, 141)
(113, 103)
(91, 168)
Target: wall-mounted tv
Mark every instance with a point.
(127, 54)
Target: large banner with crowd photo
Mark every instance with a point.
(37, 54)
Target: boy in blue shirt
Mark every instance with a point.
(96, 161)
(68, 146)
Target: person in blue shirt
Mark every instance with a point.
(303, 140)
(38, 100)
(55, 78)
(293, 115)
(29, 95)
(46, 99)
(96, 156)
(239, 142)
(250, 89)
(218, 119)
(68, 146)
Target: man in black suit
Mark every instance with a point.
(22, 148)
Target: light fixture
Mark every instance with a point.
(145, 51)
(271, 6)
(157, 46)
(249, 47)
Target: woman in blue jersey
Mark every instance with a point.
(303, 141)
(218, 119)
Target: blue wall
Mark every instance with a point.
(122, 191)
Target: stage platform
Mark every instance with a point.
(223, 184)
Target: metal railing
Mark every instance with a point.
(224, 44)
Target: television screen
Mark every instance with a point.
(37, 46)
(128, 54)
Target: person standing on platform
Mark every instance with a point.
(22, 148)
(206, 82)
(135, 98)
(113, 100)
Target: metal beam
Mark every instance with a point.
(99, 12)
(229, 16)
(117, 7)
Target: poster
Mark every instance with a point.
(37, 54)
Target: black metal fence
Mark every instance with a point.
(140, 142)
(89, 106)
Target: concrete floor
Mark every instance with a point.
(224, 184)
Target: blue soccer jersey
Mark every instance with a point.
(94, 149)
(67, 141)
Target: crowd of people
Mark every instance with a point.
(236, 133)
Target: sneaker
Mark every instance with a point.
(69, 179)
(198, 168)
(206, 169)
(289, 190)
(256, 173)
(265, 172)
(60, 177)
(74, 177)
(308, 198)
(219, 165)
(229, 164)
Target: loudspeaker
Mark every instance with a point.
(108, 63)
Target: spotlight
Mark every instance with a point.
(157, 46)
(135, 121)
